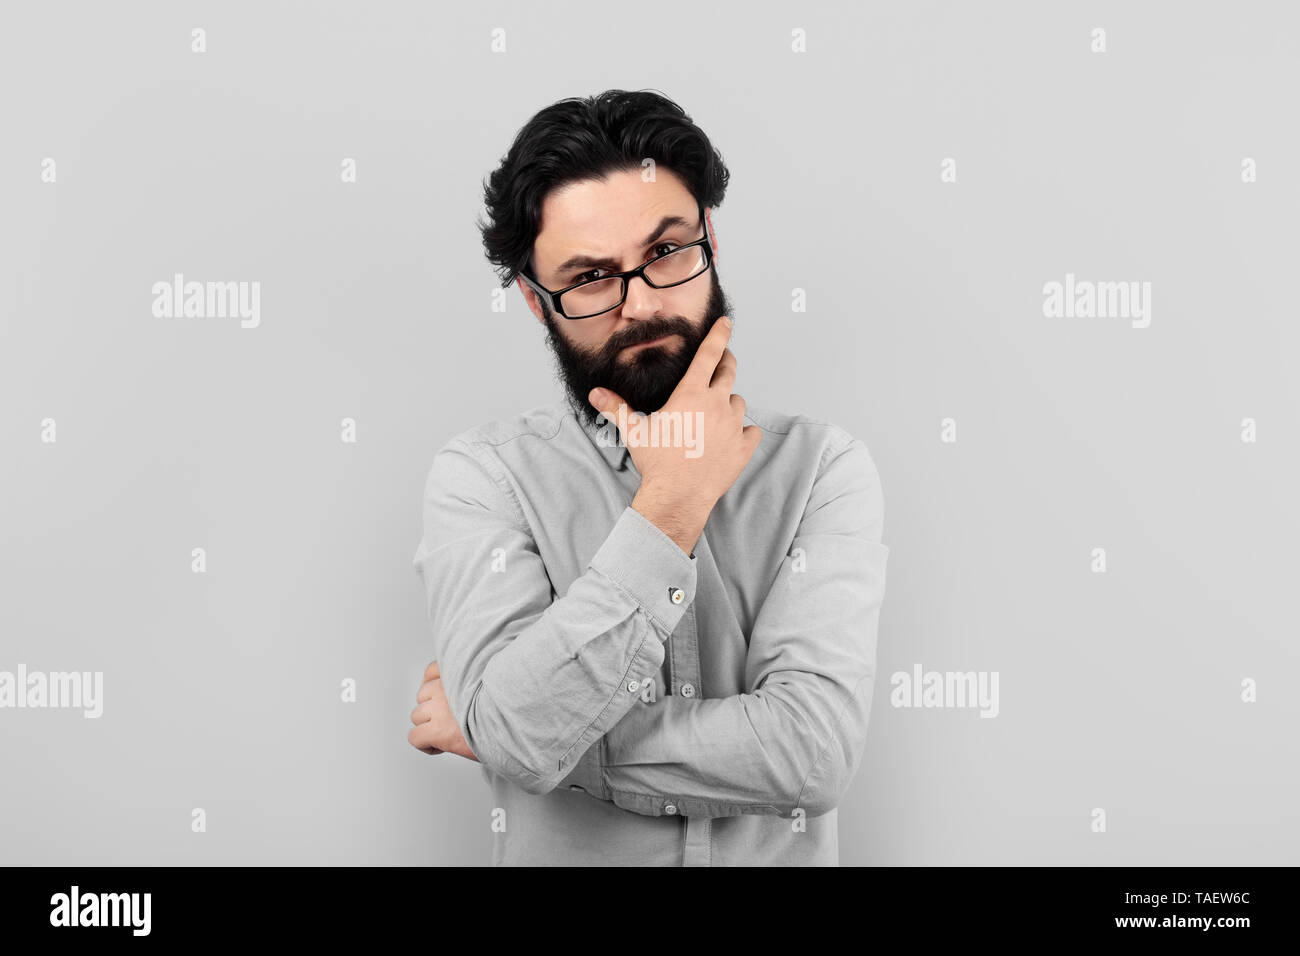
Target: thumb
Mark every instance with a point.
(608, 403)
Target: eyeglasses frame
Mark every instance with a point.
(627, 277)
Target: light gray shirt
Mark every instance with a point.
(631, 704)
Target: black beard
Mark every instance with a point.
(647, 378)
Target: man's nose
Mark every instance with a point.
(642, 298)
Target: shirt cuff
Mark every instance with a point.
(650, 567)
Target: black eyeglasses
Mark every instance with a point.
(596, 296)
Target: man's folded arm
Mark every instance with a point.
(531, 679)
(795, 739)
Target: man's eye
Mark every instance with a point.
(660, 249)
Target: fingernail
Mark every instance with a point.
(596, 397)
(727, 319)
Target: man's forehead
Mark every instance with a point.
(586, 221)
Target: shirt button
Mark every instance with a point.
(634, 685)
(688, 689)
(677, 595)
(670, 809)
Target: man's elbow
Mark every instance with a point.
(530, 782)
(502, 751)
(826, 784)
(819, 800)
(501, 761)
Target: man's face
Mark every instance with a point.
(613, 219)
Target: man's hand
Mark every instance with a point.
(678, 493)
(435, 729)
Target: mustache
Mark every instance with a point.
(645, 332)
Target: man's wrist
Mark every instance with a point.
(676, 515)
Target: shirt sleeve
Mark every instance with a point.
(795, 738)
(532, 679)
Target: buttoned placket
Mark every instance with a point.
(684, 680)
(682, 658)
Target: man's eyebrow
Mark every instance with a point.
(666, 223)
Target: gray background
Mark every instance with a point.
(1118, 690)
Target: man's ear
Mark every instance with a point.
(530, 297)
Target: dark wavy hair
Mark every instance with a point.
(584, 138)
